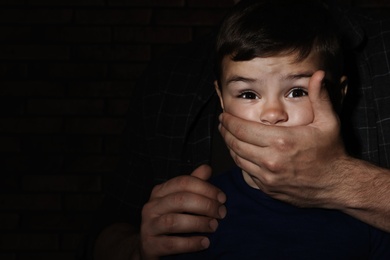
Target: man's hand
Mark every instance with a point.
(294, 164)
(185, 204)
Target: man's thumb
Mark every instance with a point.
(202, 172)
(319, 96)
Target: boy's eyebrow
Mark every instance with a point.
(297, 75)
(235, 78)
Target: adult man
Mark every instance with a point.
(178, 137)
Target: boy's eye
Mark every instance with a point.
(248, 95)
(297, 92)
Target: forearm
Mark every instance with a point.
(365, 192)
(119, 241)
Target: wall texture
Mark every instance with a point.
(67, 68)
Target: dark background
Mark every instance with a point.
(67, 68)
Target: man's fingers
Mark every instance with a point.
(319, 97)
(175, 223)
(245, 130)
(203, 172)
(184, 202)
(171, 245)
(188, 184)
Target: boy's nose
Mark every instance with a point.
(273, 113)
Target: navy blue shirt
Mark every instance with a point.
(259, 227)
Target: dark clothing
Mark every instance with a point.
(173, 112)
(259, 227)
(173, 115)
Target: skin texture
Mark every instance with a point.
(307, 165)
(181, 205)
(303, 165)
(270, 91)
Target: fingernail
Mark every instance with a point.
(222, 211)
(205, 242)
(221, 197)
(213, 224)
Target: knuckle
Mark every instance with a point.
(146, 210)
(240, 131)
(272, 165)
(234, 145)
(179, 199)
(282, 144)
(182, 182)
(169, 222)
(170, 245)
(269, 181)
(156, 190)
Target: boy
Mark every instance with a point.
(267, 52)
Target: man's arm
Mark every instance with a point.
(307, 165)
(119, 241)
(364, 192)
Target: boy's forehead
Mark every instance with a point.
(312, 60)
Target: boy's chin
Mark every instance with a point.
(249, 180)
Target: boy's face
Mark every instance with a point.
(272, 91)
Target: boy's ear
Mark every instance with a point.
(218, 90)
(343, 87)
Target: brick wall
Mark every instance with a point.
(67, 68)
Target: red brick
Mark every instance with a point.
(11, 106)
(79, 34)
(34, 162)
(83, 202)
(210, 4)
(96, 89)
(77, 70)
(9, 182)
(71, 183)
(94, 125)
(9, 221)
(112, 52)
(8, 256)
(126, 70)
(92, 164)
(35, 125)
(146, 2)
(162, 49)
(10, 144)
(13, 70)
(19, 88)
(35, 16)
(12, 2)
(29, 241)
(72, 3)
(114, 144)
(62, 144)
(370, 3)
(28, 201)
(118, 107)
(113, 16)
(56, 221)
(15, 34)
(65, 106)
(60, 255)
(200, 32)
(72, 241)
(186, 17)
(153, 35)
(34, 52)
(40, 125)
